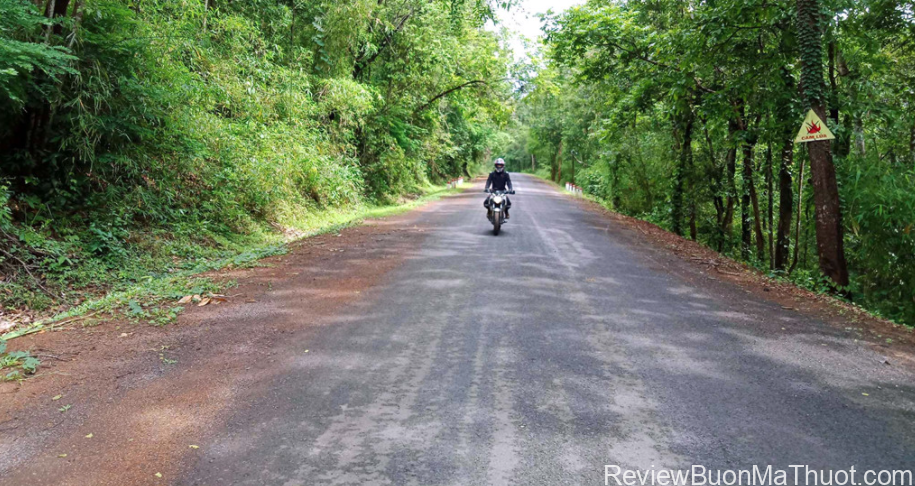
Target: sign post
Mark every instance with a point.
(813, 130)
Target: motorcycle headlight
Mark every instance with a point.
(497, 200)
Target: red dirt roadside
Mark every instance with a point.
(138, 405)
(690, 260)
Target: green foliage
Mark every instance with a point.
(14, 365)
(623, 81)
(144, 139)
(22, 60)
(880, 205)
(6, 215)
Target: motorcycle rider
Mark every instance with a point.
(499, 180)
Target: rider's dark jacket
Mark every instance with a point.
(500, 181)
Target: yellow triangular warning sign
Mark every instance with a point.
(813, 130)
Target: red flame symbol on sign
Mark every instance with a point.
(813, 128)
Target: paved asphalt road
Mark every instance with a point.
(539, 356)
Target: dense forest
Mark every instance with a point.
(142, 137)
(139, 137)
(685, 113)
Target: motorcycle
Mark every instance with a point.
(496, 210)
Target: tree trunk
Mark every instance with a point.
(749, 199)
(829, 230)
(615, 182)
(59, 8)
(757, 218)
(681, 174)
(785, 203)
(77, 16)
(724, 228)
(573, 168)
(716, 185)
(770, 196)
(806, 245)
(690, 179)
(206, 11)
(833, 83)
(745, 238)
(800, 206)
(828, 212)
(51, 11)
(912, 145)
(728, 222)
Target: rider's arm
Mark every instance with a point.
(488, 183)
(508, 181)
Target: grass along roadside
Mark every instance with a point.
(148, 299)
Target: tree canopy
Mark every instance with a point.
(137, 133)
(685, 113)
(129, 126)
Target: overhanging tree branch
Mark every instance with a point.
(446, 93)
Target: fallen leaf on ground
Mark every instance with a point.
(89, 436)
(203, 302)
(124, 334)
(58, 397)
(186, 299)
(158, 475)
(61, 455)
(194, 446)
(865, 394)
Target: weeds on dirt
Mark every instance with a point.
(157, 316)
(165, 359)
(14, 365)
(141, 294)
